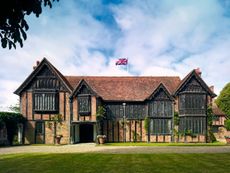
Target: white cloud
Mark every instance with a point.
(174, 38)
(158, 38)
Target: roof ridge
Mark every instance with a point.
(121, 76)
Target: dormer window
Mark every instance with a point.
(84, 104)
(46, 102)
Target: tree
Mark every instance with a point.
(15, 108)
(13, 25)
(223, 100)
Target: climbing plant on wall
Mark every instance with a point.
(100, 115)
(211, 137)
(11, 121)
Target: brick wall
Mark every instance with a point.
(32, 117)
(114, 132)
(176, 105)
(75, 110)
(90, 117)
(93, 108)
(29, 132)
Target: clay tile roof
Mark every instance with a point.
(217, 111)
(125, 88)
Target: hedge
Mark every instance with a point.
(11, 121)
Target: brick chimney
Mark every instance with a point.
(210, 99)
(212, 88)
(35, 66)
(198, 71)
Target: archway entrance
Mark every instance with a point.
(86, 132)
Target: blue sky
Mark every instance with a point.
(86, 37)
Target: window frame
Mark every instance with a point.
(196, 106)
(160, 109)
(164, 126)
(52, 107)
(197, 125)
(79, 99)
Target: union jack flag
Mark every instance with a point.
(122, 61)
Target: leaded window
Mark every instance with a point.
(84, 105)
(135, 111)
(132, 110)
(46, 102)
(196, 125)
(114, 111)
(161, 114)
(161, 126)
(192, 103)
(160, 109)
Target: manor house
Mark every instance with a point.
(148, 108)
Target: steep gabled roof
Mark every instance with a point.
(43, 63)
(125, 88)
(187, 78)
(217, 111)
(158, 89)
(79, 86)
(132, 88)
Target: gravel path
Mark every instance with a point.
(91, 147)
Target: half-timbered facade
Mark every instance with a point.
(137, 108)
(219, 118)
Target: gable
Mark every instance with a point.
(161, 93)
(193, 83)
(82, 88)
(46, 79)
(45, 72)
(44, 76)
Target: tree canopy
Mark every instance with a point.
(15, 108)
(13, 25)
(223, 100)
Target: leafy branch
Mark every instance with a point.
(13, 25)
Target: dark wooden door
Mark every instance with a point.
(86, 132)
(39, 132)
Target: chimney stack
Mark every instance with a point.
(37, 63)
(198, 71)
(212, 88)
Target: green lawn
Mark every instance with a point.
(117, 163)
(162, 144)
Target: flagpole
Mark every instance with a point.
(127, 68)
(123, 61)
